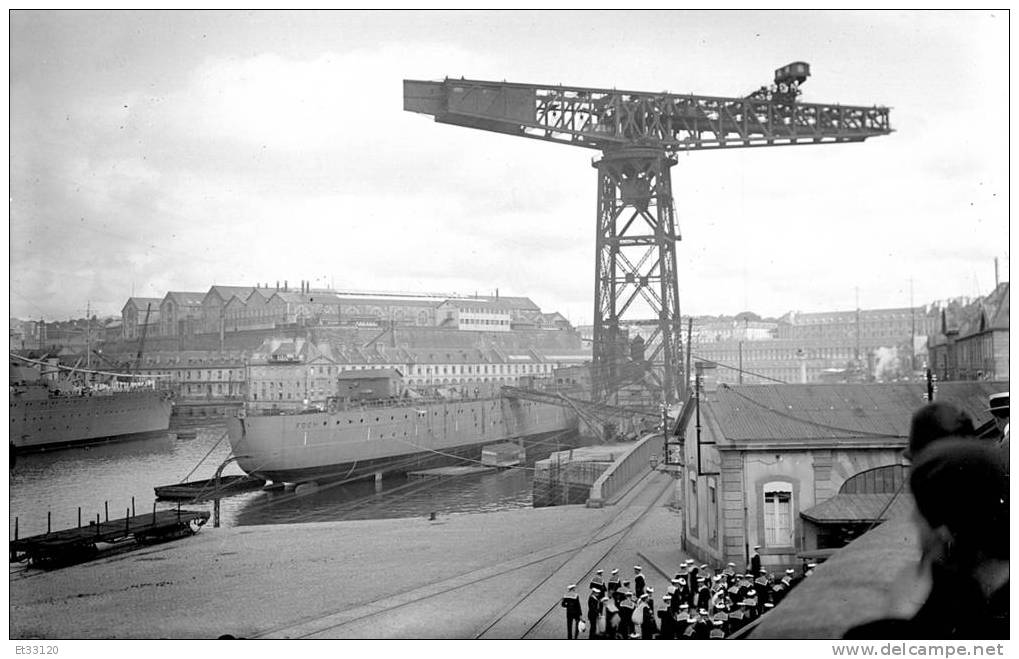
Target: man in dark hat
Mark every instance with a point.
(999, 410)
(626, 606)
(961, 491)
(613, 584)
(666, 620)
(936, 421)
(571, 602)
(755, 561)
(639, 582)
(593, 611)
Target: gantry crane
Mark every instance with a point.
(638, 134)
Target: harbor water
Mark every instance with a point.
(107, 476)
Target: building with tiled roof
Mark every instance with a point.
(133, 316)
(972, 340)
(180, 313)
(799, 467)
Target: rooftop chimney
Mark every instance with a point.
(995, 271)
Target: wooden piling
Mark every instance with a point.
(97, 524)
(79, 517)
(132, 506)
(49, 519)
(106, 505)
(153, 512)
(127, 521)
(15, 528)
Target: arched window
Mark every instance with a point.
(778, 514)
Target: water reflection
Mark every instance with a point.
(60, 481)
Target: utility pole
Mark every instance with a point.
(912, 331)
(739, 373)
(857, 350)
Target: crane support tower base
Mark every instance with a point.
(635, 271)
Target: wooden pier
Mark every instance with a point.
(74, 545)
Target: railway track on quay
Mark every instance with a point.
(510, 599)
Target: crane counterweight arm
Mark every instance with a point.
(608, 119)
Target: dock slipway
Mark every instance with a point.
(485, 575)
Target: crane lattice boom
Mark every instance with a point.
(607, 119)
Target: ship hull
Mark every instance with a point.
(49, 423)
(350, 444)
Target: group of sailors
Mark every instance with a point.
(699, 603)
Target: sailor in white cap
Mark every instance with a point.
(571, 602)
(613, 584)
(638, 581)
(598, 582)
(666, 621)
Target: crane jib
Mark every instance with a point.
(607, 119)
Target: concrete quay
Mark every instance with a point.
(484, 575)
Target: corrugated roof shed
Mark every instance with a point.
(835, 411)
(855, 508)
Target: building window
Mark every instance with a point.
(778, 515)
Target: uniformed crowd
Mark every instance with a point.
(699, 603)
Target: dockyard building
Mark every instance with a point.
(971, 341)
(134, 313)
(798, 468)
(180, 313)
(473, 314)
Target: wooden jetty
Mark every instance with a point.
(74, 545)
(203, 490)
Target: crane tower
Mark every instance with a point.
(638, 134)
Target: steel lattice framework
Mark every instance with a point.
(637, 133)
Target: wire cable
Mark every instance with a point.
(854, 431)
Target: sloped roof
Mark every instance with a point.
(143, 302)
(857, 508)
(510, 302)
(290, 296)
(286, 348)
(997, 307)
(227, 292)
(370, 373)
(790, 412)
(185, 298)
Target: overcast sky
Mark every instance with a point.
(156, 151)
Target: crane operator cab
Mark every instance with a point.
(788, 80)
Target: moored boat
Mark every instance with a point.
(404, 435)
(52, 406)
